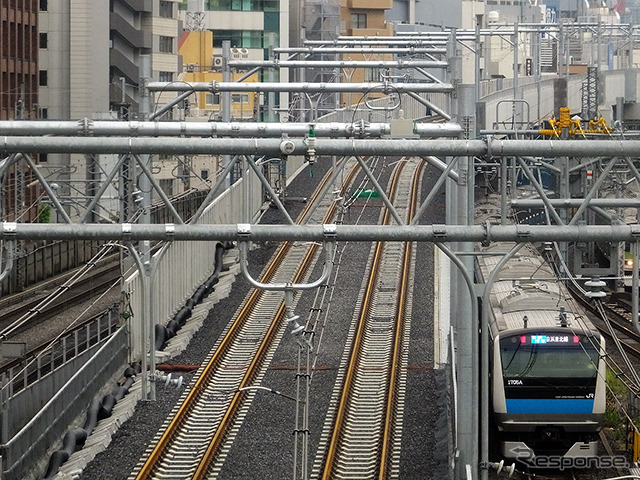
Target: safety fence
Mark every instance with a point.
(58, 409)
(22, 374)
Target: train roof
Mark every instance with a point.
(527, 286)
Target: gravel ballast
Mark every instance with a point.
(264, 445)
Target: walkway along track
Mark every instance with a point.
(365, 432)
(195, 440)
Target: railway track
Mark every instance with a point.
(619, 317)
(40, 314)
(194, 440)
(92, 279)
(362, 437)
(43, 318)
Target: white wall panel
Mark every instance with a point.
(186, 265)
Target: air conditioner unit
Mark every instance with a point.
(216, 61)
(191, 67)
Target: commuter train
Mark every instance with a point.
(547, 364)
(628, 267)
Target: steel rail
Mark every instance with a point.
(389, 425)
(614, 319)
(232, 412)
(621, 320)
(252, 372)
(72, 291)
(225, 346)
(198, 388)
(356, 361)
(37, 310)
(368, 298)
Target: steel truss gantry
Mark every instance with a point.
(529, 153)
(495, 150)
(249, 143)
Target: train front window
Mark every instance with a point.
(524, 359)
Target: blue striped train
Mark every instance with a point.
(548, 375)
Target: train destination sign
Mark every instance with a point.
(547, 339)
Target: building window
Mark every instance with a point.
(43, 5)
(372, 75)
(244, 5)
(242, 98)
(165, 76)
(243, 38)
(43, 39)
(44, 114)
(358, 20)
(43, 78)
(166, 9)
(212, 99)
(166, 44)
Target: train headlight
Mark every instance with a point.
(629, 262)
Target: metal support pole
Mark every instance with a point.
(318, 233)
(599, 45)
(504, 173)
(436, 87)
(219, 129)
(272, 75)
(560, 51)
(478, 42)
(635, 249)
(517, 113)
(247, 190)
(144, 185)
(467, 333)
(226, 101)
(536, 72)
(565, 192)
(466, 201)
(631, 40)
